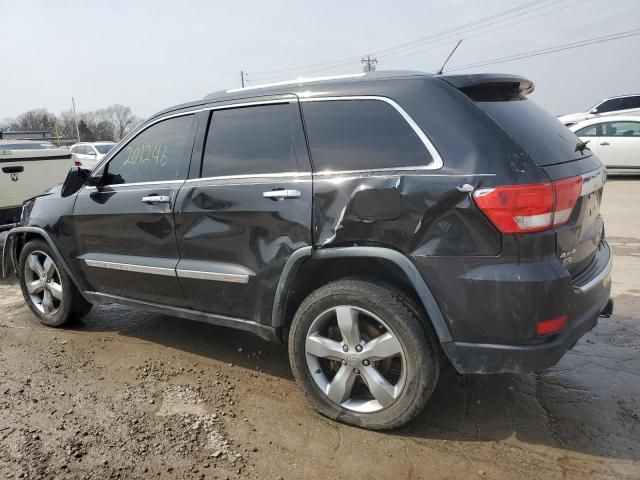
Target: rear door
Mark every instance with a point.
(246, 210)
(125, 228)
(619, 144)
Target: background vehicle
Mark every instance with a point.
(615, 140)
(372, 222)
(27, 168)
(623, 105)
(88, 155)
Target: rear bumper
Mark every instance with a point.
(584, 303)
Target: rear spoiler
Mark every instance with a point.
(470, 84)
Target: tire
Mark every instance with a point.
(325, 371)
(65, 301)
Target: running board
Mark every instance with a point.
(263, 331)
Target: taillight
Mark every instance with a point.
(531, 207)
(77, 164)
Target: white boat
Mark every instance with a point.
(28, 168)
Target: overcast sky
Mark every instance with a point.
(150, 54)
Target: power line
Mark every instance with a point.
(448, 41)
(435, 37)
(545, 51)
(458, 34)
(457, 29)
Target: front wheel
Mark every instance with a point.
(46, 287)
(363, 354)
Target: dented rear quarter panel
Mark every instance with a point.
(470, 268)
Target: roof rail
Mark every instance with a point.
(296, 81)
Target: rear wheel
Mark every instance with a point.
(363, 355)
(46, 287)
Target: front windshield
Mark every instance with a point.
(104, 148)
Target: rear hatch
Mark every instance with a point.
(560, 154)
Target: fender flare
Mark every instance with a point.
(400, 260)
(9, 249)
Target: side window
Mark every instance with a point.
(591, 131)
(250, 141)
(361, 135)
(609, 105)
(630, 102)
(622, 129)
(161, 152)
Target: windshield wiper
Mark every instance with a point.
(582, 146)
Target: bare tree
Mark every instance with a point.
(111, 123)
(123, 120)
(33, 120)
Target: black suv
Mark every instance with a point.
(380, 224)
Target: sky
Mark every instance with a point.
(151, 54)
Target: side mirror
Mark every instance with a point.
(76, 178)
(595, 110)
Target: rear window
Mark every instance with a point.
(537, 132)
(361, 135)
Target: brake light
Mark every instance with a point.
(553, 325)
(531, 207)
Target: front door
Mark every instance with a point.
(247, 210)
(619, 144)
(124, 228)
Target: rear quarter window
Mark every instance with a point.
(537, 132)
(361, 135)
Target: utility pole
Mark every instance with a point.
(244, 76)
(369, 63)
(75, 117)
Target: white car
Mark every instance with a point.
(28, 168)
(616, 140)
(623, 105)
(88, 154)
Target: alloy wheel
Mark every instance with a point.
(43, 283)
(355, 359)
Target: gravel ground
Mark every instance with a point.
(127, 394)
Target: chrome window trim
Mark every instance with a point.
(128, 267)
(436, 162)
(137, 184)
(251, 176)
(401, 170)
(215, 276)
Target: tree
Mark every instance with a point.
(34, 120)
(111, 123)
(123, 120)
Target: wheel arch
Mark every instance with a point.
(306, 260)
(15, 241)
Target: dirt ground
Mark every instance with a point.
(127, 394)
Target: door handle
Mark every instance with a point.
(605, 143)
(156, 199)
(281, 194)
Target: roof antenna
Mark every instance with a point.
(450, 55)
